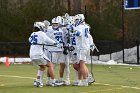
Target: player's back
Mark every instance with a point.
(36, 39)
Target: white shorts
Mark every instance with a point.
(40, 60)
(73, 57)
(57, 57)
(48, 54)
(82, 55)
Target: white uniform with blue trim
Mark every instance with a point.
(37, 39)
(56, 53)
(82, 42)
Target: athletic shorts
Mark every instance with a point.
(57, 57)
(73, 57)
(82, 55)
(40, 60)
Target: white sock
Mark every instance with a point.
(41, 76)
(61, 79)
(67, 71)
(48, 78)
(76, 75)
(89, 75)
(79, 81)
(38, 73)
(53, 80)
(85, 80)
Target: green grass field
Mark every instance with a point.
(109, 79)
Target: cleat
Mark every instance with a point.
(56, 83)
(90, 80)
(89, 83)
(59, 82)
(35, 83)
(48, 83)
(67, 82)
(38, 84)
(83, 84)
(76, 83)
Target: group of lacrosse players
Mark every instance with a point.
(66, 39)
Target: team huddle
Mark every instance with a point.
(66, 39)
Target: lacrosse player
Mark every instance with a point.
(57, 35)
(89, 43)
(38, 40)
(65, 49)
(69, 42)
(82, 45)
(91, 49)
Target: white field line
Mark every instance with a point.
(2, 85)
(118, 86)
(17, 76)
(138, 88)
(103, 90)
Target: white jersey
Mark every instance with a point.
(89, 35)
(49, 32)
(37, 39)
(57, 36)
(90, 39)
(82, 39)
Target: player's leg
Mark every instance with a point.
(49, 55)
(51, 73)
(60, 61)
(78, 74)
(50, 70)
(67, 70)
(48, 79)
(83, 69)
(76, 67)
(90, 76)
(61, 71)
(52, 56)
(39, 79)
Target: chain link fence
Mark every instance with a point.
(109, 50)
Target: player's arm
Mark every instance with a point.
(90, 39)
(47, 39)
(78, 32)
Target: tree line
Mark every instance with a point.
(104, 17)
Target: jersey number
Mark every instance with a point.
(73, 41)
(86, 32)
(59, 38)
(34, 39)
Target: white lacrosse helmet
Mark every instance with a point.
(47, 23)
(39, 25)
(65, 19)
(82, 17)
(56, 23)
(79, 18)
(71, 20)
(66, 16)
(61, 20)
(56, 20)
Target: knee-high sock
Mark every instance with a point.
(40, 74)
(76, 75)
(67, 68)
